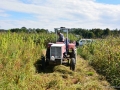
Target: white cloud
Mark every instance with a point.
(3, 14)
(57, 13)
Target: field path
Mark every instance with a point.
(84, 77)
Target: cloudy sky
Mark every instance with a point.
(50, 14)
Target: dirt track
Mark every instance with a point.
(84, 76)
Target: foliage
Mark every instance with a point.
(104, 56)
(18, 54)
(95, 33)
(83, 33)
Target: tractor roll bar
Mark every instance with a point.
(61, 28)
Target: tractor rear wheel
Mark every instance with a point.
(72, 64)
(43, 63)
(47, 56)
(47, 62)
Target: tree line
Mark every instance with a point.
(84, 33)
(95, 33)
(29, 30)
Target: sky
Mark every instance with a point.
(50, 14)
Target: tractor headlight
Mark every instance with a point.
(52, 58)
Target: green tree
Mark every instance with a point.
(23, 29)
(106, 32)
(91, 35)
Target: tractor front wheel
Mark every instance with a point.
(72, 64)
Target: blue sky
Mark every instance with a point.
(17, 16)
(115, 2)
(50, 14)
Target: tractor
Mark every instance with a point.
(59, 53)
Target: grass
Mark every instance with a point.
(84, 78)
(19, 54)
(104, 56)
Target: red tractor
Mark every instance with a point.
(61, 52)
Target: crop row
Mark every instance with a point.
(18, 54)
(104, 56)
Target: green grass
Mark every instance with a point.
(18, 54)
(104, 56)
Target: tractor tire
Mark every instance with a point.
(43, 63)
(47, 62)
(47, 56)
(48, 53)
(72, 64)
